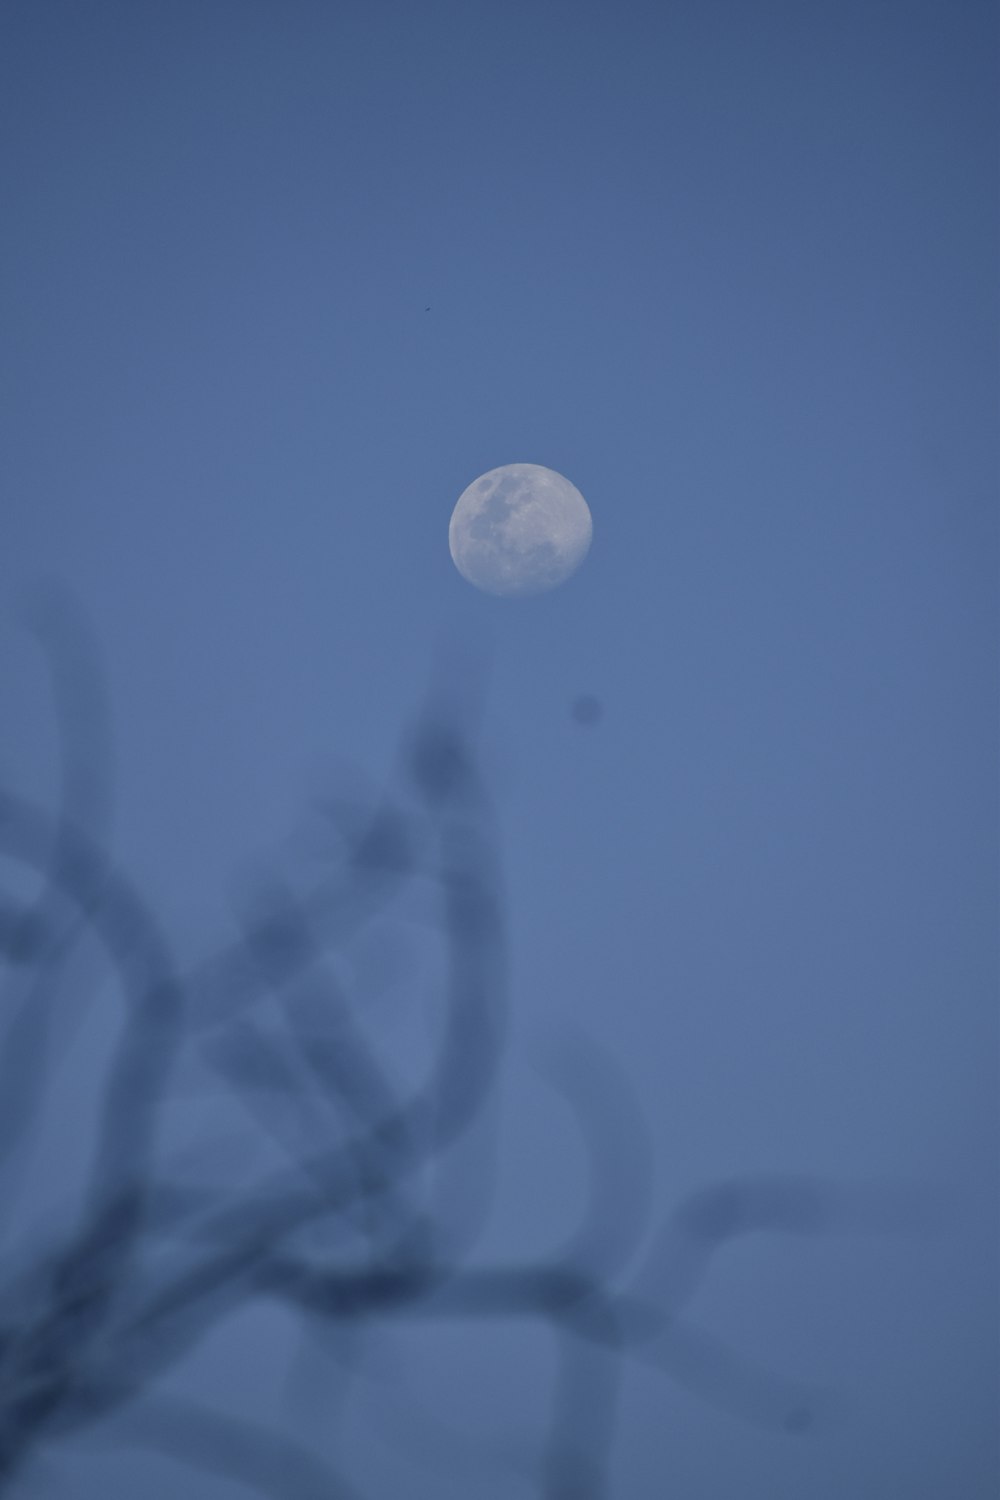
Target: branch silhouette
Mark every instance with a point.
(351, 1222)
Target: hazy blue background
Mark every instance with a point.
(731, 268)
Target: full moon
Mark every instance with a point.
(519, 529)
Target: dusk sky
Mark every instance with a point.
(278, 282)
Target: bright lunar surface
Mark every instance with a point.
(519, 529)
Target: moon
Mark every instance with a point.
(519, 529)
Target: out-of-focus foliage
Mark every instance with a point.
(361, 1213)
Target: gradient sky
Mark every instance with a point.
(278, 281)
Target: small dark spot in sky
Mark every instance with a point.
(799, 1419)
(587, 709)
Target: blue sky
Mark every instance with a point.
(279, 281)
